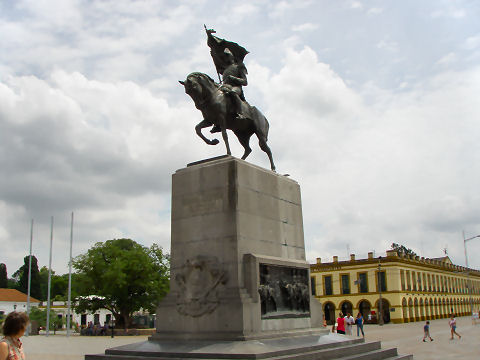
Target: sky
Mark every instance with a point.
(373, 109)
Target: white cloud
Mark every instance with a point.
(92, 119)
(472, 42)
(281, 8)
(371, 170)
(305, 27)
(374, 11)
(387, 44)
(449, 12)
(447, 59)
(356, 5)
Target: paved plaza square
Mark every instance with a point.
(406, 337)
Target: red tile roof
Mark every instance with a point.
(15, 296)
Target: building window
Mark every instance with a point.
(312, 284)
(409, 285)
(345, 284)
(381, 281)
(362, 283)
(414, 279)
(402, 279)
(327, 282)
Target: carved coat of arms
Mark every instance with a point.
(198, 280)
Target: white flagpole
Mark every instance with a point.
(70, 280)
(29, 275)
(49, 279)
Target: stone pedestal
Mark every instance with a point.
(229, 219)
(240, 285)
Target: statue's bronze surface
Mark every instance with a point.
(223, 104)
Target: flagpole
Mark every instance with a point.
(29, 275)
(49, 279)
(70, 280)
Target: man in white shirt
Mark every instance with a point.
(349, 321)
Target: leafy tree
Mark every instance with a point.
(402, 249)
(22, 276)
(125, 277)
(3, 276)
(40, 315)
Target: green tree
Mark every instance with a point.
(43, 279)
(125, 277)
(40, 315)
(403, 249)
(3, 276)
(22, 276)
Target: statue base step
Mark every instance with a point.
(331, 346)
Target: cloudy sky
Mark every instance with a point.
(373, 108)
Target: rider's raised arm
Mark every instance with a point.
(241, 78)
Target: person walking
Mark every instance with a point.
(453, 327)
(340, 324)
(13, 329)
(426, 331)
(359, 322)
(349, 321)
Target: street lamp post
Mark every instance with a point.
(468, 272)
(380, 302)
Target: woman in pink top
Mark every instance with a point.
(341, 324)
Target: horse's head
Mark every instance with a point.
(200, 87)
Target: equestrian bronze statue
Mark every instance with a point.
(223, 104)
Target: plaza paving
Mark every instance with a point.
(406, 337)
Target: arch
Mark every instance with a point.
(346, 307)
(329, 312)
(432, 310)
(415, 305)
(411, 311)
(364, 307)
(405, 311)
(385, 310)
(444, 309)
(422, 310)
(437, 310)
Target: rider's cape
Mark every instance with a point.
(217, 47)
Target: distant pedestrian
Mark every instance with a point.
(426, 331)
(453, 327)
(349, 321)
(359, 322)
(13, 329)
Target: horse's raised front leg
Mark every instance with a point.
(198, 129)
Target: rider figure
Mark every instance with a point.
(234, 77)
(228, 59)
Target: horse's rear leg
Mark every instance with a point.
(245, 142)
(262, 141)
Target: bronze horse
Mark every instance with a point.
(214, 101)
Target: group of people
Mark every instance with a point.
(345, 324)
(94, 329)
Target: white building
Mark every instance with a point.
(61, 310)
(14, 300)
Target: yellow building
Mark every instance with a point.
(412, 288)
